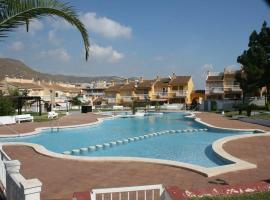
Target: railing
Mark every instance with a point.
(142, 96)
(95, 93)
(48, 98)
(179, 93)
(232, 88)
(128, 191)
(162, 94)
(127, 98)
(15, 186)
(111, 99)
(216, 90)
(4, 157)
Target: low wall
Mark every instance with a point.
(15, 186)
(7, 120)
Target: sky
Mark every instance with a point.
(141, 38)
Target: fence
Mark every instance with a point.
(145, 192)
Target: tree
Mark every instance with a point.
(6, 106)
(14, 13)
(255, 72)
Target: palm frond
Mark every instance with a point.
(14, 13)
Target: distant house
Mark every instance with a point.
(112, 94)
(222, 85)
(127, 92)
(175, 89)
(50, 92)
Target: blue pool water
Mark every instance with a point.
(189, 147)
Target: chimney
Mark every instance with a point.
(141, 79)
(20, 79)
(113, 83)
(173, 75)
(127, 81)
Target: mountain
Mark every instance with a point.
(16, 68)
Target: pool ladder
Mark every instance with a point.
(55, 126)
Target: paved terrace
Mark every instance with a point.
(61, 177)
(72, 119)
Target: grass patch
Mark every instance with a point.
(44, 116)
(233, 113)
(254, 196)
(264, 116)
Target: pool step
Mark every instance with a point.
(129, 140)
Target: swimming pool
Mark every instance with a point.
(174, 138)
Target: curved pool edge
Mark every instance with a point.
(209, 172)
(40, 129)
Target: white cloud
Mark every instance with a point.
(52, 37)
(56, 54)
(207, 67)
(232, 67)
(34, 26)
(107, 54)
(59, 23)
(16, 46)
(105, 26)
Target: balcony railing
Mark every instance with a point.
(56, 99)
(111, 99)
(214, 90)
(235, 88)
(162, 94)
(127, 98)
(179, 93)
(142, 96)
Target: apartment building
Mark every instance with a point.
(48, 91)
(222, 85)
(175, 89)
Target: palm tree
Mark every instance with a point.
(14, 13)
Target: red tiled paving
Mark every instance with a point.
(61, 178)
(26, 127)
(221, 121)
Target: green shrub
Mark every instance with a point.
(213, 106)
(6, 106)
(268, 106)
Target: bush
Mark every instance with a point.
(213, 106)
(6, 106)
(268, 106)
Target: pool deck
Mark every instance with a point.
(69, 120)
(61, 177)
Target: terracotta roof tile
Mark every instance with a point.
(180, 80)
(145, 84)
(214, 78)
(114, 88)
(128, 86)
(163, 82)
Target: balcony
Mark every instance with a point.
(127, 98)
(179, 93)
(142, 96)
(233, 88)
(214, 90)
(95, 94)
(162, 94)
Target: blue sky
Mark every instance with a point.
(142, 38)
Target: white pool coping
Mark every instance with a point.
(209, 172)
